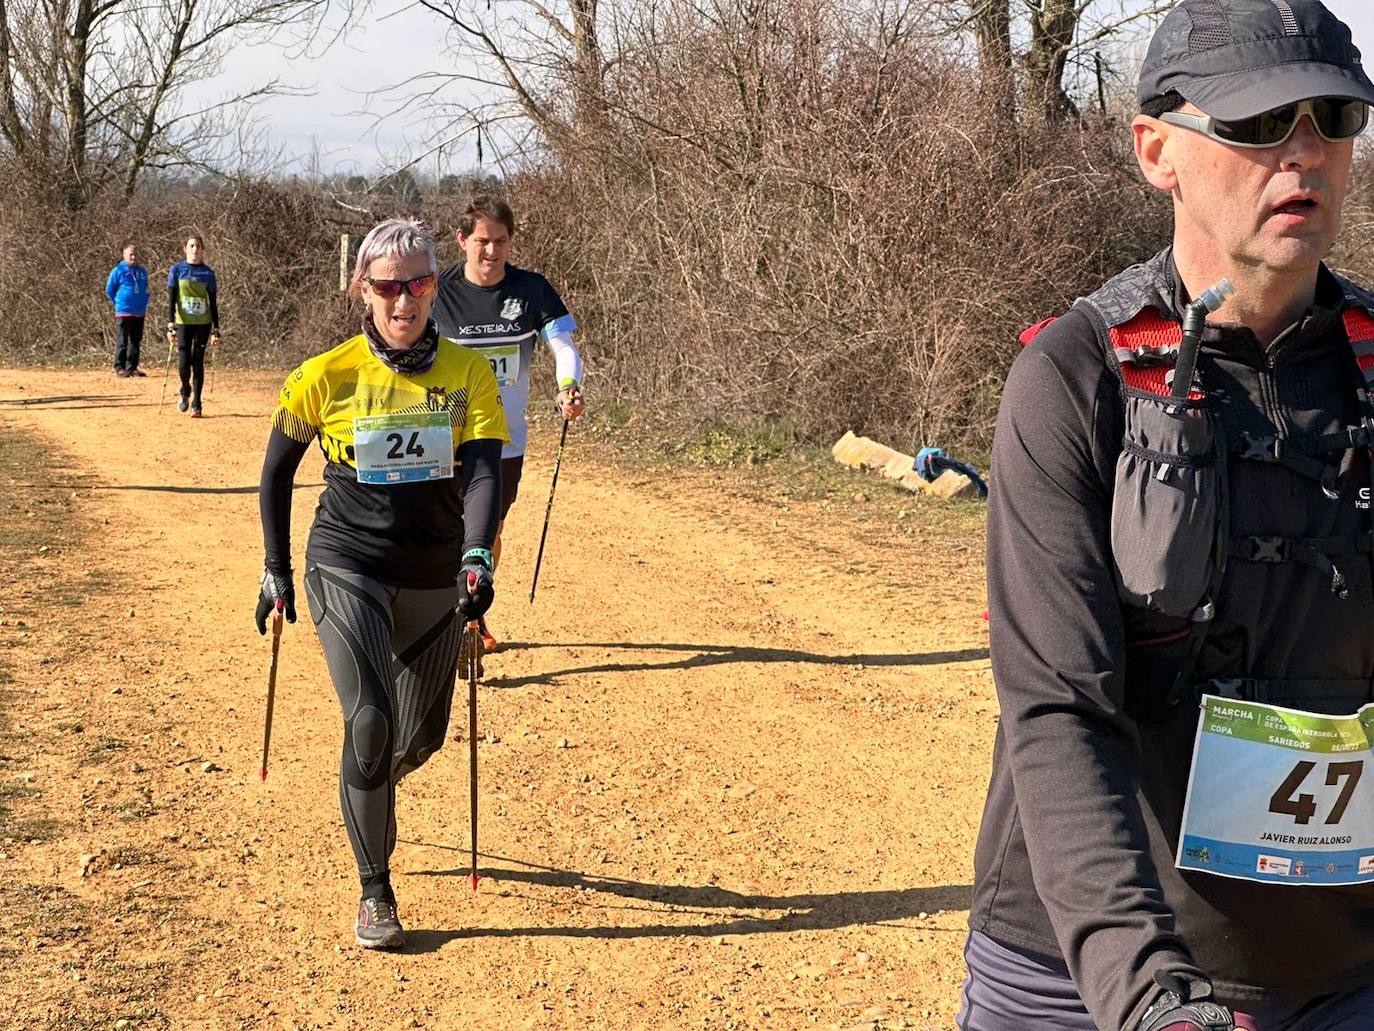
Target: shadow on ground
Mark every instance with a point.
(729, 910)
(161, 488)
(85, 402)
(719, 654)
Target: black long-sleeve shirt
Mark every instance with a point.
(479, 487)
(1075, 854)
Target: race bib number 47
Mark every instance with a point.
(403, 448)
(1279, 795)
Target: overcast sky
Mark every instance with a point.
(386, 48)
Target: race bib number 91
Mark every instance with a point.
(505, 362)
(403, 448)
(1279, 795)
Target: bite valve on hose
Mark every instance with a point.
(1193, 318)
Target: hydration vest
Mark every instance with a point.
(1171, 525)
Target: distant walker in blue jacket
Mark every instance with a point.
(127, 289)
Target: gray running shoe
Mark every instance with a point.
(378, 926)
(183, 404)
(195, 411)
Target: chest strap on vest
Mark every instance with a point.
(1354, 436)
(1280, 451)
(1302, 459)
(1310, 551)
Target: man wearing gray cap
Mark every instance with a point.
(1177, 833)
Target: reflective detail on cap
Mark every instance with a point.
(1290, 23)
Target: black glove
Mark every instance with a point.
(474, 587)
(275, 587)
(1185, 1004)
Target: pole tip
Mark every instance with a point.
(474, 878)
(262, 774)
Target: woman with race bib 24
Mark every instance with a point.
(399, 555)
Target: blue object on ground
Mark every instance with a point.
(932, 461)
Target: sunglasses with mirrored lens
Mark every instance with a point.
(1335, 118)
(417, 287)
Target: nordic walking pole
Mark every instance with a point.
(166, 368)
(474, 646)
(211, 347)
(548, 509)
(277, 618)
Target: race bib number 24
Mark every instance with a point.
(403, 448)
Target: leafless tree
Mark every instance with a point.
(1036, 44)
(94, 91)
(1064, 31)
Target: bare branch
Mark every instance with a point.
(86, 86)
(526, 99)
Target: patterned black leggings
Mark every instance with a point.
(392, 654)
(191, 344)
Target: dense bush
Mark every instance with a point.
(271, 245)
(867, 276)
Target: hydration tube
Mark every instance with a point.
(1193, 318)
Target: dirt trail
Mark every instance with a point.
(731, 775)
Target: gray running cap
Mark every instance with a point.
(1240, 58)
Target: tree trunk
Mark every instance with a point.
(78, 49)
(590, 101)
(1053, 25)
(148, 129)
(992, 31)
(11, 127)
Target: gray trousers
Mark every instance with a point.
(392, 653)
(1007, 990)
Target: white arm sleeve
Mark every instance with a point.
(567, 362)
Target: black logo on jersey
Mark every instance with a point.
(436, 398)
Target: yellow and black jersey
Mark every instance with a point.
(326, 394)
(392, 505)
